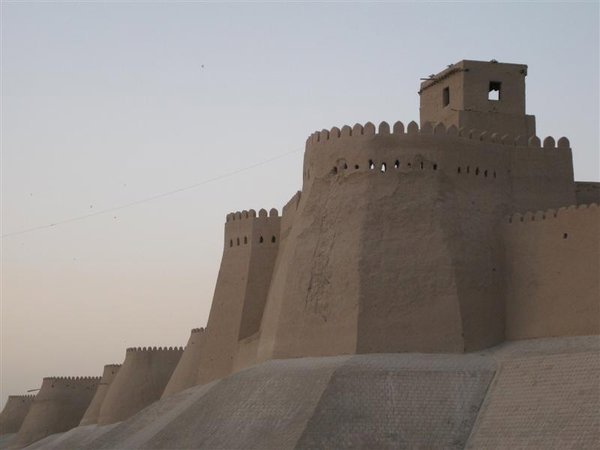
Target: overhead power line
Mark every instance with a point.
(149, 199)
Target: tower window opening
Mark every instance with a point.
(245, 239)
(494, 91)
(458, 170)
(494, 174)
(396, 164)
(238, 241)
(477, 171)
(421, 165)
(261, 240)
(356, 166)
(371, 164)
(383, 167)
(273, 239)
(485, 172)
(334, 170)
(446, 96)
(435, 167)
(565, 235)
(231, 243)
(468, 169)
(345, 166)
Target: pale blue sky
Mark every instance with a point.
(104, 104)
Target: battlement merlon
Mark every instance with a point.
(245, 228)
(478, 94)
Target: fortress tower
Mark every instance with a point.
(478, 95)
(139, 382)
(395, 243)
(250, 249)
(186, 372)
(91, 414)
(14, 412)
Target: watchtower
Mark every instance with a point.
(486, 96)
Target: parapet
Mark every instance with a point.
(154, 349)
(538, 216)
(552, 266)
(139, 382)
(59, 406)
(431, 129)
(251, 214)
(14, 412)
(245, 228)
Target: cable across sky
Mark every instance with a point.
(151, 198)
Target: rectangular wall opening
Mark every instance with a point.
(446, 96)
(494, 90)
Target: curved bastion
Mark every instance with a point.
(108, 375)
(384, 253)
(186, 372)
(139, 382)
(14, 412)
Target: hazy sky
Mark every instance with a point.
(106, 104)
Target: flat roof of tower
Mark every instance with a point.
(464, 66)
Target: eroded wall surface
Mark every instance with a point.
(587, 192)
(395, 243)
(140, 381)
(553, 273)
(57, 407)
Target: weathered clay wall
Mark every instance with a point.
(587, 192)
(251, 245)
(57, 407)
(553, 267)
(186, 372)
(14, 412)
(385, 253)
(140, 381)
(108, 375)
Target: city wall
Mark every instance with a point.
(553, 267)
(139, 382)
(58, 406)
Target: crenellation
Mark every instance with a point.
(369, 129)
(439, 130)
(549, 142)
(531, 216)
(563, 142)
(357, 130)
(153, 349)
(534, 142)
